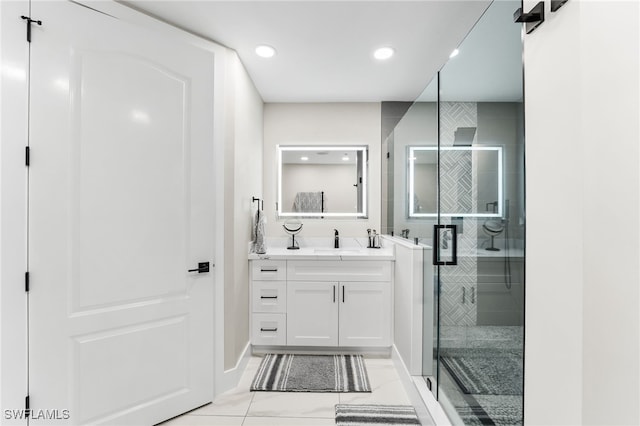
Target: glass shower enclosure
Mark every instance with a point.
(456, 187)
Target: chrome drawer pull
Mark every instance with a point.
(269, 329)
(268, 297)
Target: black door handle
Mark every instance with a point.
(202, 268)
(454, 245)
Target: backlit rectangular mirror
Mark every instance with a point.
(474, 175)
(322, 181)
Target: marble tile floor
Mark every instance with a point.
(239, 406)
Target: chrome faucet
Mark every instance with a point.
(336, 239)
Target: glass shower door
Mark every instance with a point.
(478, 239)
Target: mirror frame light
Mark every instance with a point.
(365, 189)
(410, 176)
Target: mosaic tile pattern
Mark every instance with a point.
(459, 192)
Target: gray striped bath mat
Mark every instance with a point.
(311, 373)
(383, 415)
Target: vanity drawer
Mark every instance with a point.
(343, 271)
(269, 270)
(269, 296)
(269, 329)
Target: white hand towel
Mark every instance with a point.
(259, 245)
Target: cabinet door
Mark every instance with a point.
(365, 314)
(312, 313)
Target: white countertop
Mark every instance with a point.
(514, 250)
(356, 249)
(322, 249)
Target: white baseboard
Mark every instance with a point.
(231, 377)
(427, 407)
(383, 352)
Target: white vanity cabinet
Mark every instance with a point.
(339, 303)
(328, 303)
(268, 302)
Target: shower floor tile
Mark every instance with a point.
(478, 409)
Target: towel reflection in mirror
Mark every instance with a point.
(309, 202)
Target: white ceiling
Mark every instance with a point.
(325, 47)
(489, 65)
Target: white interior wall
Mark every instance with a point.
(582, 349)
(611, 136)
(322, 124)
(243, 181)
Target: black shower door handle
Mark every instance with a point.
(454, 245)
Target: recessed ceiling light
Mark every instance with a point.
(304, 158)
(383, 53)
(454, 53)
(265, 51)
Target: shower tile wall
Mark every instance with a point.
(454, 115)
(459, 191)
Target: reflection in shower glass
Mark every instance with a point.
(481, 299)
(456, 159)
(474, 175)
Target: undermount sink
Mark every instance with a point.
(336, 252)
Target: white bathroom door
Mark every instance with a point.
(121, 204)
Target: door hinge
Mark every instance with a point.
(29, 22)
(27, 156)
(27, 406)
(26, 282)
